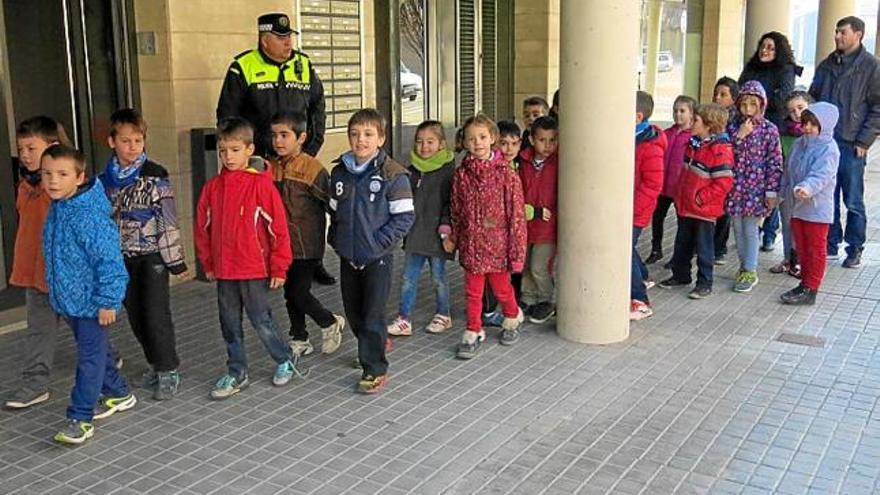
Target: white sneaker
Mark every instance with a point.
(513, 323)
(301, 347)
(331, 337)
(639, 310)
(439, 324)
(400, 327)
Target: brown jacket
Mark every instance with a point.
(28, 268)
(305, 190)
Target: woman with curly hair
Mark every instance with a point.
(774, 66)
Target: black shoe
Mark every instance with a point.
(668, 265)
(799, 296)
(654, 257)
(541, 313)
(323, 277)
(767, 247)
(720, 259)
(700, 292)
(526, 308)
(672, 282)
(853, 260)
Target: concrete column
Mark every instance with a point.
(762, 17)
(877, 37)
(655, 8)
(830, 11)
(723, 28)
(595, 202)
(693, 48)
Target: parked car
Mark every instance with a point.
(410, 83)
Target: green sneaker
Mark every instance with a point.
(286, 370)
(745, 281)
(76, 432)
(228, 385)
(108, 406)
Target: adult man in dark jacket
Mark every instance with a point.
(849, 78)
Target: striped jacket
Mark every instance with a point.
(706, 179)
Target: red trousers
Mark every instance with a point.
(810, 239)
(473, 290)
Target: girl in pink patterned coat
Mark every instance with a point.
(489, 230)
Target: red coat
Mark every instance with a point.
(241, 228)
(706, 180)
(28, 267)
(648, 177)
(673, 161)
(540, 190)
(488, 217)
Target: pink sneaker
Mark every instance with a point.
(400, 327)
(639, 310)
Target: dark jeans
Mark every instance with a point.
(252, 296)
(364, 295)
(694, 236)
(639, 271)
(769, 227)
(851, 186)
(721, 235)
(301, 302)
(148, 304)
(657, 221)
(96, 372)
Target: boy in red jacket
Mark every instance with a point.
(703, 187)
(242, 242)
(647, 184)
(538, 169)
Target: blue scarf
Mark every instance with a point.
(353, 166)
(642, 126)
(115, 175)
(697, 142)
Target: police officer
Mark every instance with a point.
(274, 77)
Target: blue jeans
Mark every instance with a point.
(770, 226)
(787, 237)
(639, 271)
(96, 372)
(412, 269)
(694, 235)
(252, 296)
(748, 241)
(851, 185)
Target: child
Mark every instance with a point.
(533, 108)
(725, 94)
(242, 243)
(143, 206)
(509, 143)
(756, 175)
(372, 205)
(305, 191)
(647, 185)
(431, 169)
(702, 189)
(86, 278)
(538, 171)
(489, 229)
(792, 129)
(32, 137)
(678, 135)
(808, 182)
(554, 108)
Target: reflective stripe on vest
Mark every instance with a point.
(257, 71)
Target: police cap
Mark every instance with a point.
(275, 23)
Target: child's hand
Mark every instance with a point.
(771, 202)
(516, 267)
(276, 283)
(106, 317)
(448, 245)
(210, 276)
(546, 215)
(745, 129)
(184, 274)
(801, 193)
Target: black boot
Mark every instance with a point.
(655, 256)
(323, 277)
(799, 296)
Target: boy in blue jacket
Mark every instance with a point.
(808, 184)
(372, 211)
(87, 279)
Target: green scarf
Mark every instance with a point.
(428, 165)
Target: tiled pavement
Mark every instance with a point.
(700, 399)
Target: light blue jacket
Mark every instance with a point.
(84, 267)
(813, 166)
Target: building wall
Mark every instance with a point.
(536, 49)
(722, 51)
(179, 85)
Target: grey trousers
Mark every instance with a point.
(537, 282)
(42, 334)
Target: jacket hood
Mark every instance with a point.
(753, 88)
(90, 196)
(827, 115)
